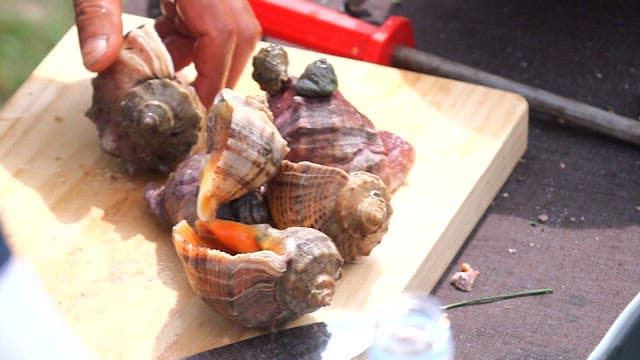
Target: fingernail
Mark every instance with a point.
(93, 49)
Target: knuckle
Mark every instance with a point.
(250, 32)
(226, 31)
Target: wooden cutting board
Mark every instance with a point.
(73, 214)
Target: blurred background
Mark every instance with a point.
(28, 30)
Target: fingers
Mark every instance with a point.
(212, 26)
(180, 46)
(248, 33)
(99, 31)
(218, 36)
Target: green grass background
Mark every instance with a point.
(28, 31)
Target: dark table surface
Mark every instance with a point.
(586, 184)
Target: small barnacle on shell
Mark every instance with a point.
(318, 80)
(353, 209)
(270, 68)
(255, 274)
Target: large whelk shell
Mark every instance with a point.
(163, 119)
(277, 276)
(353, 209)
(245, 149)
(143, 56)
(143, 114)
(320, 125)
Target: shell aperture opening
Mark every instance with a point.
(233, 236)
(207, 205)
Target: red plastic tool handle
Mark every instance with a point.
(320, 28)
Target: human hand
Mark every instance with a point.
(99, 26)
(218, 36)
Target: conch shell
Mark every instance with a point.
(144, 115)
(245, 151)
(255, 274)
(321, 126)
(353, 209)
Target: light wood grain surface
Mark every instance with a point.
(73, 214)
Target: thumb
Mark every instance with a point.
(99, 26)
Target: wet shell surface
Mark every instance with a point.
(143, 114)
(245, 151)
(270, 277)
(353, 209)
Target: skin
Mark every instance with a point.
(219, 44)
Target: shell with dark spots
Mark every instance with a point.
(328, 131)
(331, 131)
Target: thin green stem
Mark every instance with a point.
(490, 299)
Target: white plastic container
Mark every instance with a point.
(412, 327)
